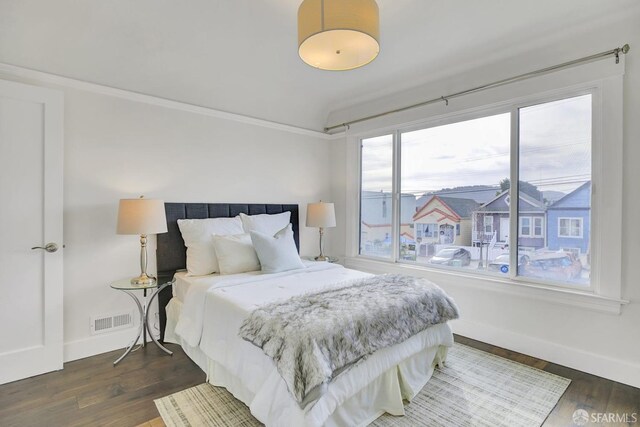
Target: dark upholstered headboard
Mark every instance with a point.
(171, 254)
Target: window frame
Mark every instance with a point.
(596, 143)
(521, 226)
(511, 108)
(434, 231)
(532, 226)
(604, 82)
(542, 224)
(570, 219)
(484, 224)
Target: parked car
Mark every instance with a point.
(554, 265)
(501, 263)
(452, 256)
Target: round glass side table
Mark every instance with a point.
(128, 288)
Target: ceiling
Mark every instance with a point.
(241, 56)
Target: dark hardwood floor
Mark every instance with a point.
(93, 392)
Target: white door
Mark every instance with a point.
(31, 155)
(504, 229)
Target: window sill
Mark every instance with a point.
(570, 297)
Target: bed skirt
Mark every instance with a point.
(385, 393)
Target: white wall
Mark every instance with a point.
(604, 344)
(116, 148)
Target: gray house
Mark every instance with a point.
(493, 217)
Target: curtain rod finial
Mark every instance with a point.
(624, 49)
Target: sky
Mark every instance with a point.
(555, 151)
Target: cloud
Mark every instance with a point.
(555, 151)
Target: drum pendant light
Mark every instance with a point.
(338, 34)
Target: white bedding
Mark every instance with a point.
(214, 307)
(181, 284)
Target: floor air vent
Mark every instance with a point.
(112, 322)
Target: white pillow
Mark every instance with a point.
(235, 254)
(197, 235)
(277, 253)
(265, 223)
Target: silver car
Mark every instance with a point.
(452, 256)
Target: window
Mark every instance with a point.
(431, 230)
(531, 226)
(451, 173)
(377, 173)
(554, 167)
(447, 173)
(525, 226)
(537, 226)
(488, 224)
(570, 227)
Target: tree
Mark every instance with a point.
(525, 187)
(505, 184)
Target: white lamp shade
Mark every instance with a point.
(321, 215)
(338, 34)
(141, 216)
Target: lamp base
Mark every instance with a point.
(143, 280)
(321, 258)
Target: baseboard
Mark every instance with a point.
(595, 364)
(98, 344)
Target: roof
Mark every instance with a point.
(479, 193)
(499, 204)
(580, 198)
(462, 208)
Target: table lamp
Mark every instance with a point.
(142, 216)
(321, 215)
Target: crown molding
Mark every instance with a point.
(68, 82)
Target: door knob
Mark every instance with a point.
(49, 247)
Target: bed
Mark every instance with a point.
(203, 314)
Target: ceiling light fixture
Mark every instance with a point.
(338, 35)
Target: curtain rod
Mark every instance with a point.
(445, 98)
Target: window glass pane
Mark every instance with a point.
(525, 226)
(577, 228)
(376, 202)
(452, 185)
(488, 224)
(564, 228)
(538, 227)
(555, 189)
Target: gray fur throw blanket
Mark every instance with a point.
(314, 337)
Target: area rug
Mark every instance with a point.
(475, 388)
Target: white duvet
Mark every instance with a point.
(214, 308)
